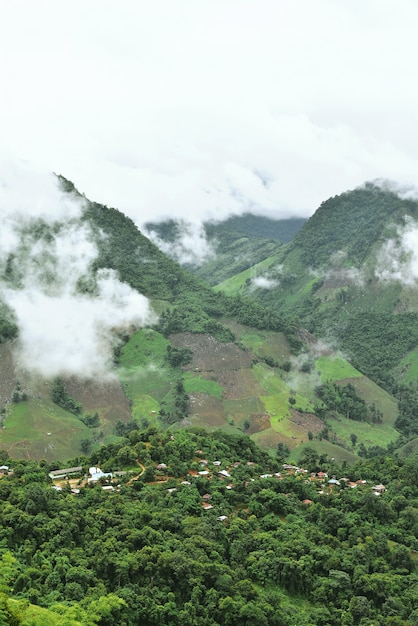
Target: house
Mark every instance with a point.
(96, 474)
(217, 463)
(4, 469)
(206, 506)
(203, 473)
(222, 518)
(225, 473)
(378, 489)
(161, 466)
(206, 497)
(65, 472)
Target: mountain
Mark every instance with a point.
(309, 348)
(177, 506)
(234, 244)
(349, 275)
(59, 414)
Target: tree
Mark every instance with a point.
(282, 451)
(85, 445)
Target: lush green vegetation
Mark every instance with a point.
(258, 226)
(335, 368)
(379, 341)
(343, 399)
(156, 550)
(197, 383)
(238, 243)
(63, 399)
(365, 214)
(8, 328)
(169, 545)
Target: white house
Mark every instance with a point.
(96, 473)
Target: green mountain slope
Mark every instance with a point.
(349, 277)
(238, 362)
(237, 243)
(330, 276)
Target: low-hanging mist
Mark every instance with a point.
(190, 246)
(398, 257)
(67, 315)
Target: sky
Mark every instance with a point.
(200, 109)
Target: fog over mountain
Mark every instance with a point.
(203, 110)
(67, 317)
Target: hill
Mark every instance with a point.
(349, 276)
(240, 362)
(192, 527)
(235, 244)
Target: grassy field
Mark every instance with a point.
(239, 410)
(199, 384)
(331, 450)
(270, 382)
(42, 430)
(408, 449)
(408, 367)
(335, 368)
(373, 394)
(144, 347)
(144, 371)
(237, 283)
(145, 407)
(368, 434)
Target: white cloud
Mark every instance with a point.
(61, 330)
(397, 259)
(168, 109)
(189, 247)
(264, 282)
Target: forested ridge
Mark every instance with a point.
(168, 542)
(193, 304)
(181, 526)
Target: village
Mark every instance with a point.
(75, 479)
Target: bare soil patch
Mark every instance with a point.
(239, 384)
(8, 374)
(306, 421)
(209, 410)
(259, 422)
(209, 354)
(108, 398)
(268, 439)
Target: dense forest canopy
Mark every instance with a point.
(243, 541)
(167, 524)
